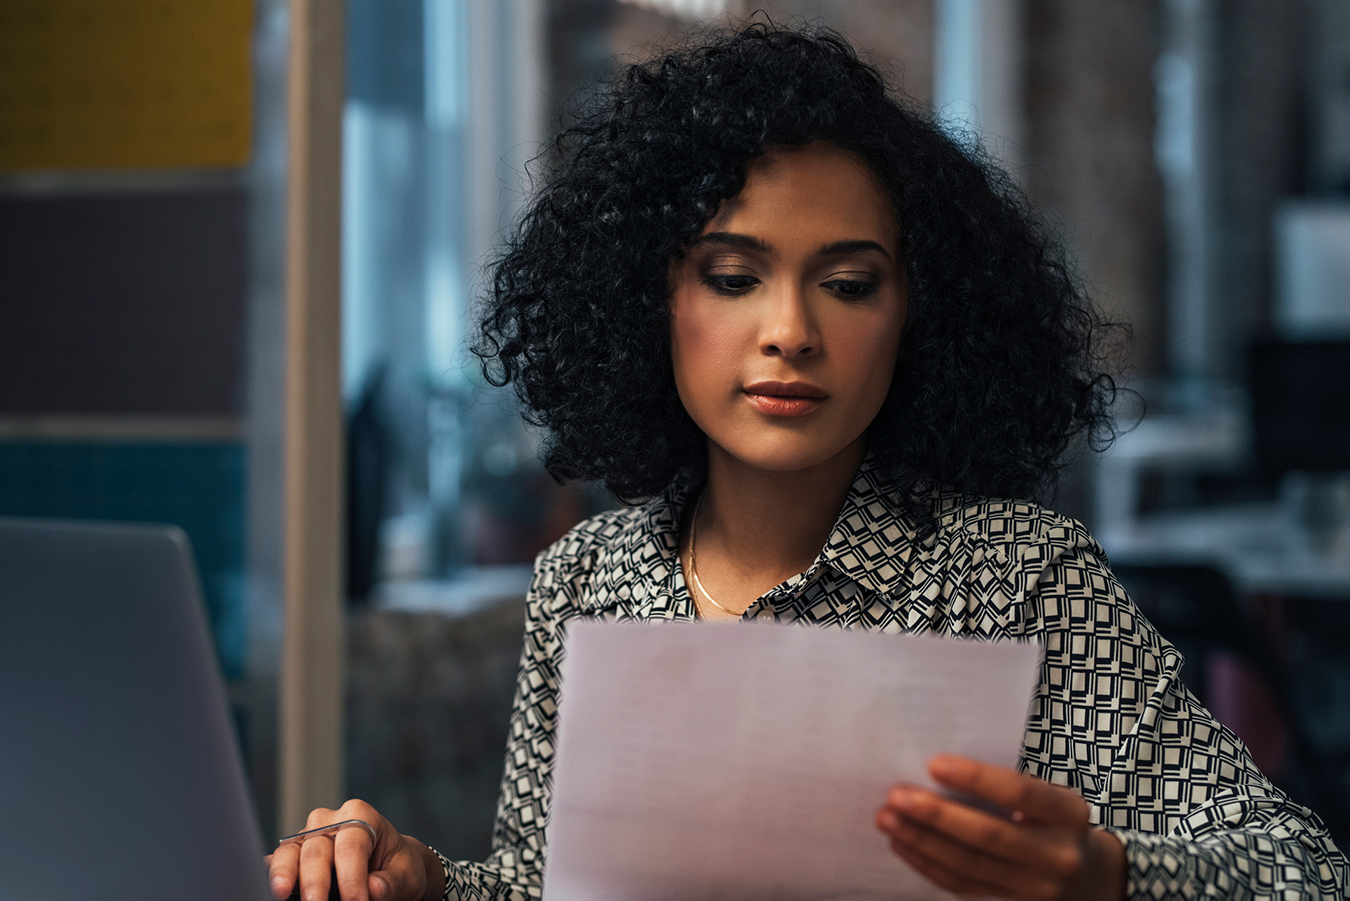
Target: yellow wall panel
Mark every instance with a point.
(95, 84)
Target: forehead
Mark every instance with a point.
(814, 191)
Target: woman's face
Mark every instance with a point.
(786, 311)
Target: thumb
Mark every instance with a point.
(401, 878)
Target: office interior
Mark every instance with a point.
(240, 242)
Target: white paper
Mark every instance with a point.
(703, 761)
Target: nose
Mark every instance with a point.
(789, 328)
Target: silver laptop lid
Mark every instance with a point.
(119, 773)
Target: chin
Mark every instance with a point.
(787, 456)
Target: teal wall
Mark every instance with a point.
(198, 487)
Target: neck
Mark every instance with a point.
(764, 527)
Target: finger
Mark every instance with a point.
(942, 876)
(316, 868)
(959, 858)
(387, 839)
(282, 866)
(320, 816)
(352, 849)
(1017, 792)
(1026, 845)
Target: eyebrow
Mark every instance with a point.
(748, 242)
(731, 239)
(841, 248)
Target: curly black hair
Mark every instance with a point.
(998, 368)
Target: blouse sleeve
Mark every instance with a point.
(1112, 719)
(514, 868)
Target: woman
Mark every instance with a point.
(832, 352)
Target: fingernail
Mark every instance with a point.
(941, 765)
(279, 887)
(887, 821)
(902, 798)
(379, 887)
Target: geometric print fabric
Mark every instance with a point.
(1110, 717)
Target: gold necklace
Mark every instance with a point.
(693, 556)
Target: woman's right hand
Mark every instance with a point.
(396, 868)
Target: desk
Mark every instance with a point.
(1258, 546)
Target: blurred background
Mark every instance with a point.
(1194, 155)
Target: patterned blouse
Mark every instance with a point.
(1111, 718)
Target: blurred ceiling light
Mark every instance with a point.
(685, 9)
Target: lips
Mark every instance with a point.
(786, 399)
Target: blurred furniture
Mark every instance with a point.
(1296, 427)
(466, 592)
(428, 708)
(1260, 547)
(1213, 437)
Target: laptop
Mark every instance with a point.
(120, 776)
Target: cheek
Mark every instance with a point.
(702, 348)
(686, 341)
(870, 354)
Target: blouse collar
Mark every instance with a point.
(638, 572)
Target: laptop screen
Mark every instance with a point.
(120, 776)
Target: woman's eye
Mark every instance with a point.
(851, 289)
(730, 284)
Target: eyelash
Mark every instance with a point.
(845, 288)
(851, 289)
(719, 284)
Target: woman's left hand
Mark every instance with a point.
(1046, 851)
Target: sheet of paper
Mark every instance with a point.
(700, 761)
